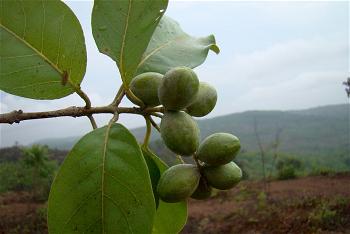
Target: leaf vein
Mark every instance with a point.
(116, 204)
(33, 48)
(123, 42)
(80, 205)
(18, 56)
(103, 173)
(159, 48)
(125, 186)
(36, 84)
(91, 225)
(24, 69)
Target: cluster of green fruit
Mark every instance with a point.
(183, 96)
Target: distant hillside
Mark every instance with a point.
(14, 153)
(64, 143)
(317, 137)
(320, 130)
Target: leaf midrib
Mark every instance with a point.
(33, 48)
(104, 173)
(123, 42)
(156, 50)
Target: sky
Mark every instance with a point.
(274, 56)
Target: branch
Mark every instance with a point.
(18, 115)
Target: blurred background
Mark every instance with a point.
(279, 79)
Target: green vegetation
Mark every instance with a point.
(318, 137)
(329, 214)
(33, 172)
(299, 165)
(287, 168)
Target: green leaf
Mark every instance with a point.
(170, 217)
(42, 47)
(171, 47)
(153, 172)
(103, 186)
(123, 28)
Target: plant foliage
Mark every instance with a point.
(107, 183)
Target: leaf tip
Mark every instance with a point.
(215, 48)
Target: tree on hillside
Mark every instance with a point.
(36, 158)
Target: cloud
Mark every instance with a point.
(284, 56)
(304, 91)
(294, 74)
(285, 60)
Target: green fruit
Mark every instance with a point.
(204, 102)
(178, 182)
(145, 87)
(203, 190)
(180, 132)
(224, 176)
(178, 89)
(218, 149)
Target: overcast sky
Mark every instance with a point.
(274, 55)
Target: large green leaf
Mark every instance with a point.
(171, 47)
(103, 186)
(123, 28)
(42, 47)
(170, 217)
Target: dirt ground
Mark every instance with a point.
(307, 205)
(318, 204)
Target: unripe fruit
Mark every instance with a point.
(178, 89)
(145, 87)
(204, 102)
(180, 132)
(178, 182)
(223, 177)
(218, 149)
(203, 190)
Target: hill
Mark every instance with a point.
(319, 130)
(317, 137)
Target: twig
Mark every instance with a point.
(114, 118)
(133, 98)
(148, 131)
(180, 159)
(18, 115)
(81, 93)
(154, 124)
(118, 98)
(157, 115)
(86, 98)
(92, 121)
